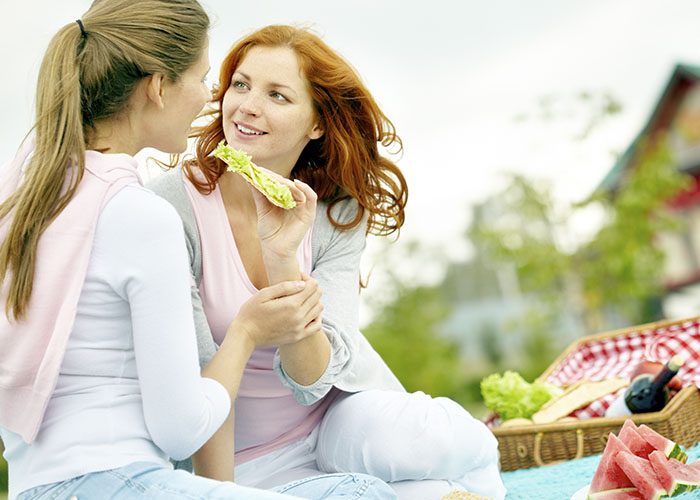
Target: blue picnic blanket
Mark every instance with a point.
(560, 481)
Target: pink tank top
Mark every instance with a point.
(267, 415)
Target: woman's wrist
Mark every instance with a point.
(271, 255)
(281, 268)
(239, 337)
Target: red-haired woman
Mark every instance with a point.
(328, 402)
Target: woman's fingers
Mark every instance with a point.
(283, 289)
(309, 193)
(311, 301)
(313, 314)
(310, 288)
(313, 327)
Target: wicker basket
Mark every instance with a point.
(540, 444)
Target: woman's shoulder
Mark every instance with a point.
(326, 235)
(135, 212)
(167, 183)
(170, 186)
(342, 211)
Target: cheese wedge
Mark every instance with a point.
(579, 395)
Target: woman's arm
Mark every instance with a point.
(336, 267)
(150, 272)
(305, 361)
(281, 232)
(215, 459)
(265, 319)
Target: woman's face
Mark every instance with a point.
(268, 110)
(182, 102)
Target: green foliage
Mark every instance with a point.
(520, 233)
(518, 239)
(622, 266)
(487, 338)
(541, 342)
(406, 336)
(619, 269)
(3, 473)
(523, 235)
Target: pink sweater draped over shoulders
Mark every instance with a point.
(33, 349)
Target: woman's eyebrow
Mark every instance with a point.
(272, 84)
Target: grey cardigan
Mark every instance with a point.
(355, 365)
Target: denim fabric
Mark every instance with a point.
(340, 486)
(154, 482)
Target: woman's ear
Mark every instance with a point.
(316, 131)
(155, 89)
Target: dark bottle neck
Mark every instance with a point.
(663, 377)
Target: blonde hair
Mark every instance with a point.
(84, 78)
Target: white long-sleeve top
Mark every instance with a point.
(130, 387)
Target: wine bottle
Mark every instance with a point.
(649, 393)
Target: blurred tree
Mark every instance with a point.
(517, 230)
(619, 271)
(524, 256)
(487, 337)
(622, 267)
(407, 337)
(3, 472)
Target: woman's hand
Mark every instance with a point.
(280, 314)
(281, 230)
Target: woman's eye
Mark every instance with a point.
(237, 84)
(278, 97)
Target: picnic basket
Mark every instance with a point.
(532, 445)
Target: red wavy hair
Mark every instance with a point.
(345, 161)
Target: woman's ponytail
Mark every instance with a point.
(60, 150)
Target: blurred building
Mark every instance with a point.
(487, 301)
(677, 116)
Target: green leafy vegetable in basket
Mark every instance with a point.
(510, 396)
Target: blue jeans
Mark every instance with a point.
(155, 482)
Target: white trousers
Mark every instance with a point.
(424, 447)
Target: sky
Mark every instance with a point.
(456, 77)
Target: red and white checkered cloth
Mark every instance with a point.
(617, 357)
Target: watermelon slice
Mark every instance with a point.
(609, 475)
(629, 424)
(634, 441)
(621, 494)
(642, 475)
(676, 477)
(665, 446)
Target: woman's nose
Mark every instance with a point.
(250, 104)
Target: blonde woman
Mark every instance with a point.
(95, 277)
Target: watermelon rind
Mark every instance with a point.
(606, 493)
(674, 475)
(677, 453)
(668, 448)
(682, 488)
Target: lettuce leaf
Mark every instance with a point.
(240, 162)
(510, 396)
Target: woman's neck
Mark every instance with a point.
(113, 137)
